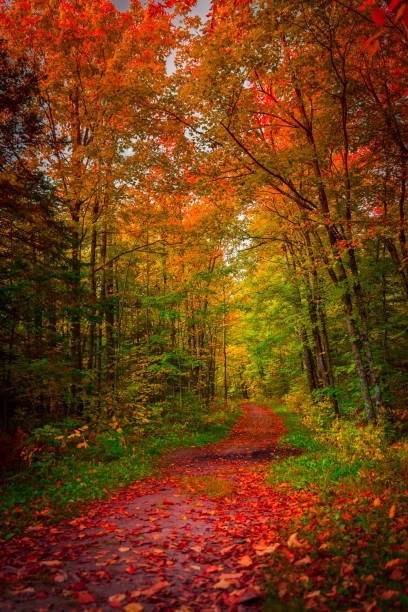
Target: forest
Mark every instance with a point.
(203, 233)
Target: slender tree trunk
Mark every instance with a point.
(224, 347)
(92, 280)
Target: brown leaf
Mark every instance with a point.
(293, 541)
(222, 584)
(60, 577)
(266, 549)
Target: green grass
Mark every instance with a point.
(319, 465)
(342, 485)
(57, 487)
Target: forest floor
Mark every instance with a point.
(200, 536)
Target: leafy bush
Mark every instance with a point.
(338, 450)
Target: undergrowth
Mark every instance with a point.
(354, 525)
(68, 464)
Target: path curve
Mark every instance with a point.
(163, 544)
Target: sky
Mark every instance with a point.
(202, 7)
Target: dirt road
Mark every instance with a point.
(194, 539)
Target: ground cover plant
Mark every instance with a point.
(354, 536)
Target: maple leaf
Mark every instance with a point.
(84, 597)
(133, 607)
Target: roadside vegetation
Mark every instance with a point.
(353, 530)
(67, 464)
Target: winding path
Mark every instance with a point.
(164, 544)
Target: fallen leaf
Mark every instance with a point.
(392, 511)
(133, 607)
(117, 598)
(245, 561)
(222, 584)
(155, 588)
(396, 574)
(83, 597)
(393, 563)
(293, 541)
(389, 594)
(377, 502)
(130, 569)
(51, 563)
(305, 561)
(263, 549)
(197, 549)
(60, 577)
(312, 595)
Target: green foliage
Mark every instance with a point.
(336, 451)
(68, 464)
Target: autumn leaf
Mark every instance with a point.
(392, 511)
(222, 584)
(83, 597)
(245, 561)
(294, 542)
(155, 588)
(133, 607)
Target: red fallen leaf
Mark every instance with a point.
(41, 595)
(389, 594)
(78, 586)
(155, 588)
(130, 569)
(83, 597)
(168, 502)
(396, 574)
(102, 575)
(211, 568)
(115, 601)
(394, 563)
